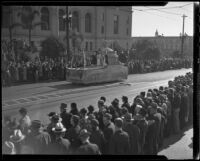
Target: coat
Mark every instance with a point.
(88, 149)
(97, 137)
(119, 143)
(66, 119)
(134, 134)
(39, 142)
(108, 134)
(60, 146)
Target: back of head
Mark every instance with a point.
(118, 122)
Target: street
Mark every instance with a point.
(42, 98)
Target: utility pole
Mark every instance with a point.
(67, 31)
(182, 40)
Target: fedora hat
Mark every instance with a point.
(59, 128)
(84, 133)
(128, 117)
(36, 124)
(17, 136)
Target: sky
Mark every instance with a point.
(168, 21)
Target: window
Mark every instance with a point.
(127, 31)
(88, 23)
(75, 21)
(102, 29)
(116, 24)
(6, 17)
(61, 20)
(86, 46)
(45, 18)
(90, 46)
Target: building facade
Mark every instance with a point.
(96, 24)
(169, 44)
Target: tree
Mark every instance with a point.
(145, 49)
(52, 47)
(27, 18)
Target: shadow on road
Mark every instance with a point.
(175, 138)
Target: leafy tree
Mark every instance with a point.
(51, 47)
(28, 16)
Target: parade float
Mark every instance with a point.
(111, 71)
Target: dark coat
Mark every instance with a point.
(73, 136)
(97, 137)
(184, 110)
(99, 117)
(60, 146)
(119, 143)
(88, 149)
(134, 134)
(66, 119)
(108, 133)
(177, 101)
(127, 105)
(39, 142)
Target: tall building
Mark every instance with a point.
(96, 24)
(169, 44)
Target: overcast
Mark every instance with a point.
(167, 19)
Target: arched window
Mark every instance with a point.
(88, 23)
(45, 18)
(6, 17)
(61, 20)
(75, 21)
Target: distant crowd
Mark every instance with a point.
(145, 66)
(138, 128)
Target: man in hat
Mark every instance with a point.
(86, 147)
(108, 131)
(125, 103)
(38, 139)
(97, 136)
(65, 115)
(134, 134)
(73, 133)
(114, 109)
(24, 121)
(61, 145)
(120, 142)
(90, 110)
(54, 120)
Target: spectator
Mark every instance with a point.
(74, 109)
(65, 116)
(125, 103)
(24, 121)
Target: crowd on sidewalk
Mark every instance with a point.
(55, 69)
(145, 66)
(138, 128)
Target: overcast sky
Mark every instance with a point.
(167, 21)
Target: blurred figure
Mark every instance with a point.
(65, 115)
(24, 121)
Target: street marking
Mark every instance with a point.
(51, 95)
(33, 99)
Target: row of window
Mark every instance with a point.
(74, 24)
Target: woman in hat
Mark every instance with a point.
(61, 145)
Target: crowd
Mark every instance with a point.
(33, 71)
(145, 66)
(128, 129)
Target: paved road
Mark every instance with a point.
(42, 98)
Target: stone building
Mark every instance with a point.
(169, 44)
(96, 24)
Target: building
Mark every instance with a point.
(169, 44)
(96, 24)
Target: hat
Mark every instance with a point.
(108, 116)
(36, 124)
(84, 133)
(101, 102)
(63, 105)
(17, 136)
(125, 98)
(118, 122)
(91, 116)
(128, 117)
(75, 119)
(23, 110)
(56, 118)
(90, 108)
(94, 122)
(59, 128)
(83, 111)
(51, 114)
(103, 98)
